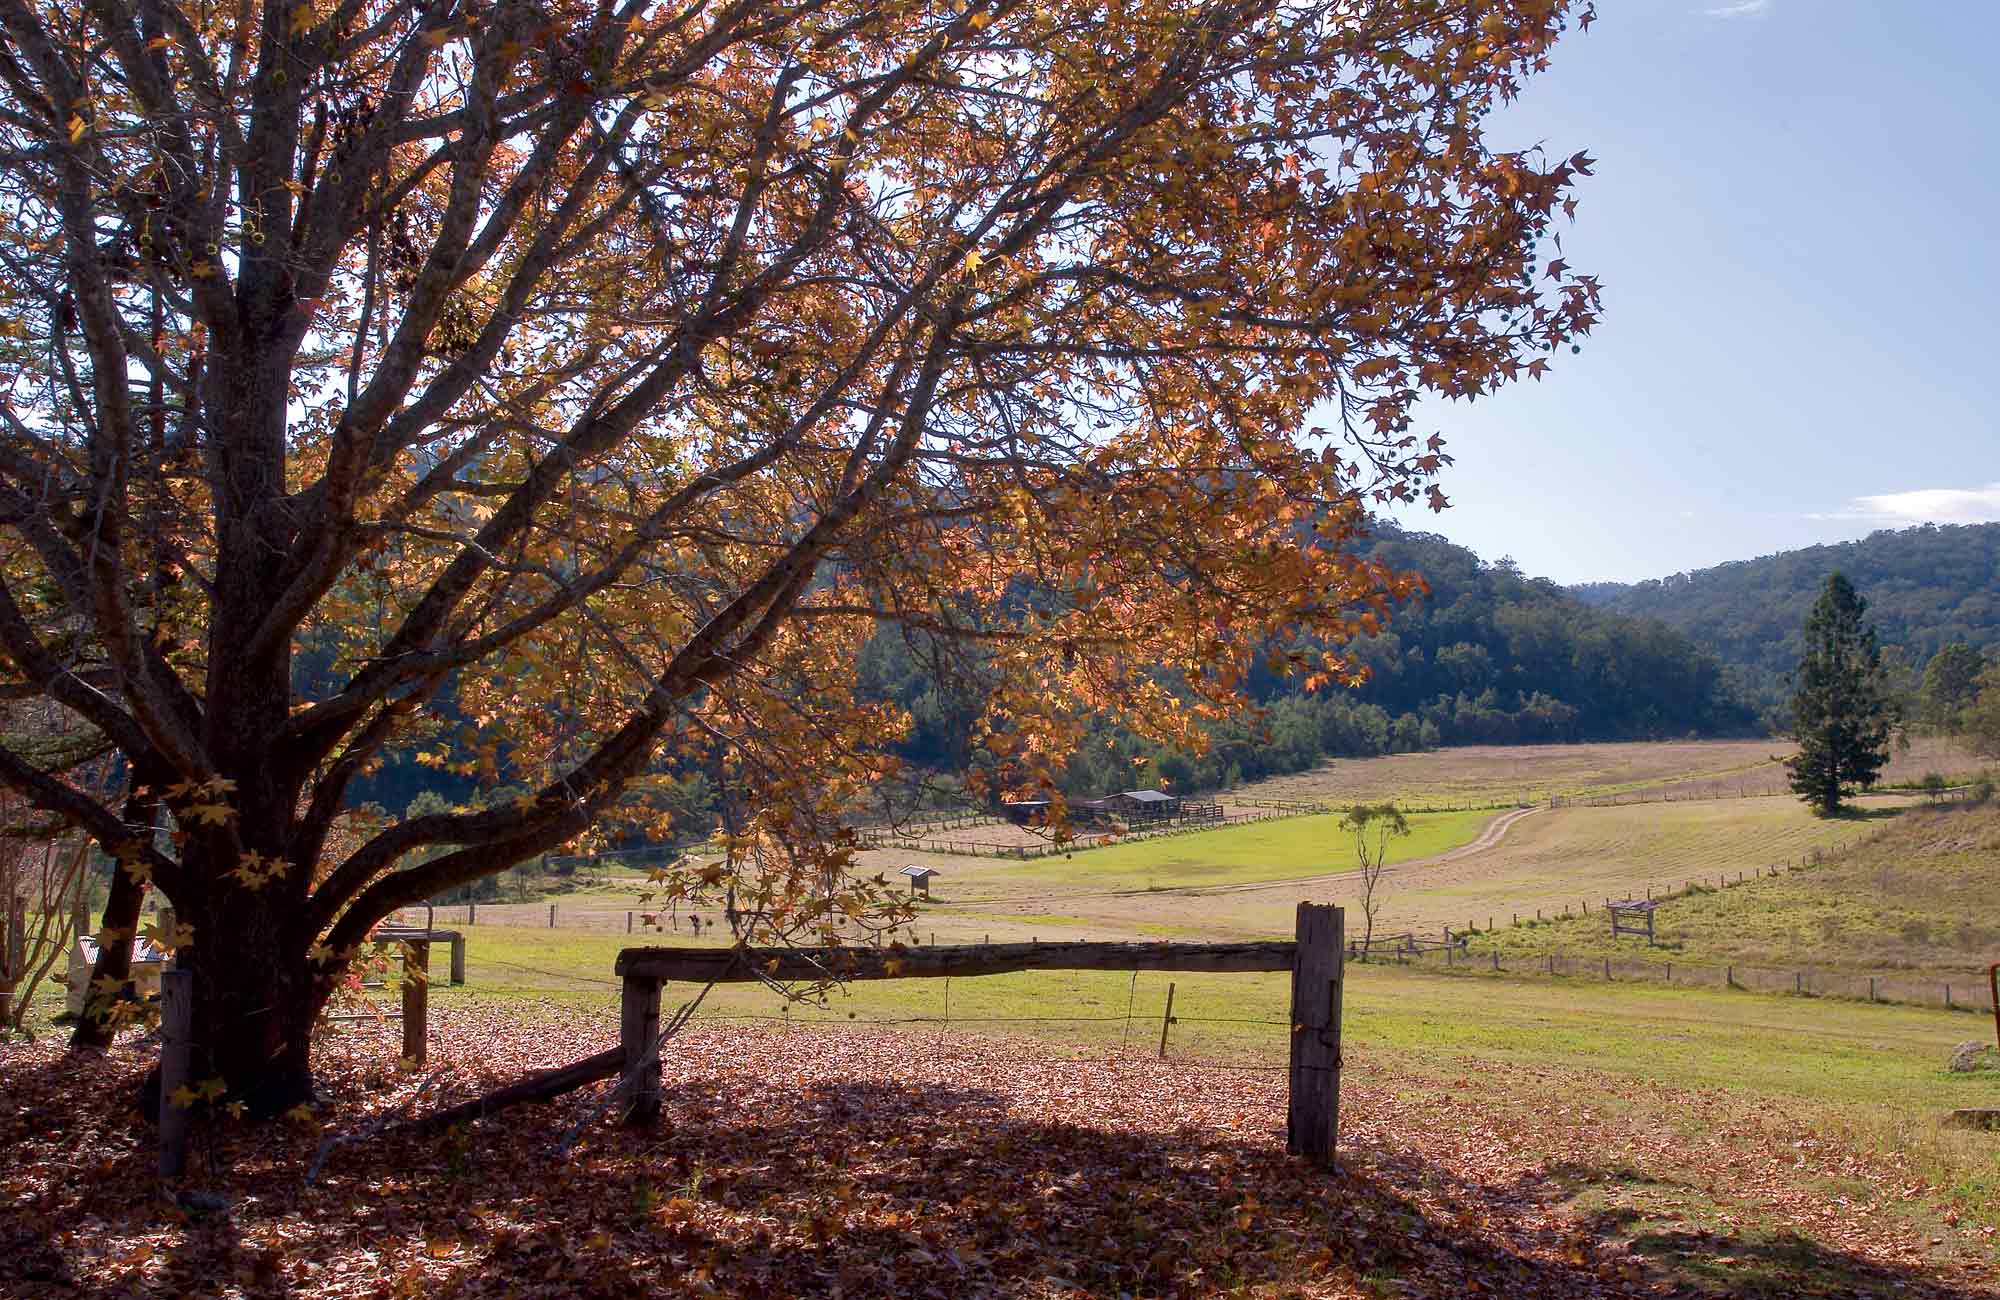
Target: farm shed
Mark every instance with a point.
(1145, 805)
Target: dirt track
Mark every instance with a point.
(1489, 837)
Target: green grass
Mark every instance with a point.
(1872, 1076)
(1815, 1049)
(1246, 854)
(1918, 898)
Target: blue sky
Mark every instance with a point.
(1794, 216)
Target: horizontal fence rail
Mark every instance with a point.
(1315, 959)
(732, 965)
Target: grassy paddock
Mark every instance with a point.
(1917, 898)
(1230, 855)
(1486, 774)
(1870, 1076)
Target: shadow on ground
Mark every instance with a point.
(761, 1186)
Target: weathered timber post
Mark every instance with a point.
(77, 972)
(552, 916)
(17, 953)
(628, 923)
(471, 915)
(416, 999)
(639, 1039)
(1313, 1123)
(176, 1049)
(1166, 1018)
(458, 959)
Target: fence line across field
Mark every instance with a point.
(547, 915)
(1967, 992)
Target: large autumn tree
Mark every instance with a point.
(613, 367)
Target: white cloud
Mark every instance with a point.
(1741, 9)
(1929, 506)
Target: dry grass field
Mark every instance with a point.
(1457, 868)
(1526, 774)
(1916, 898)
(1546, 859)
(1523, 774)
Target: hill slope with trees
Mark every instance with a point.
(1926, 587)
(1488, 656)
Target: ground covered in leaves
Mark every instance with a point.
(859, 1162)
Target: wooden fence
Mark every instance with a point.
(1315, 959)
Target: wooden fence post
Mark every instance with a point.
(471, 915)
(1313, 1123)
(458, 959)
(16, 954)
(76, 970)
(639, 1038)
(1166, 1019)
(416, 1000)
(176, 1049)
(552, 916)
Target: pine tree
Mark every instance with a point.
(1842, 715)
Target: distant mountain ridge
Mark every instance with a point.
(1925, 587)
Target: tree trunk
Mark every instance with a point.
(255, 996)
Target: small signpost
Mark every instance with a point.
(1631, 916)
(920, 879)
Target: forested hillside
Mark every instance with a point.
(1489, 656)
(1925, 587)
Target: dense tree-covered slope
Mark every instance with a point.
(1925, 587)
(1489, 656)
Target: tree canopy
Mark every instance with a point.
(1950, 683)
(619, 366)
